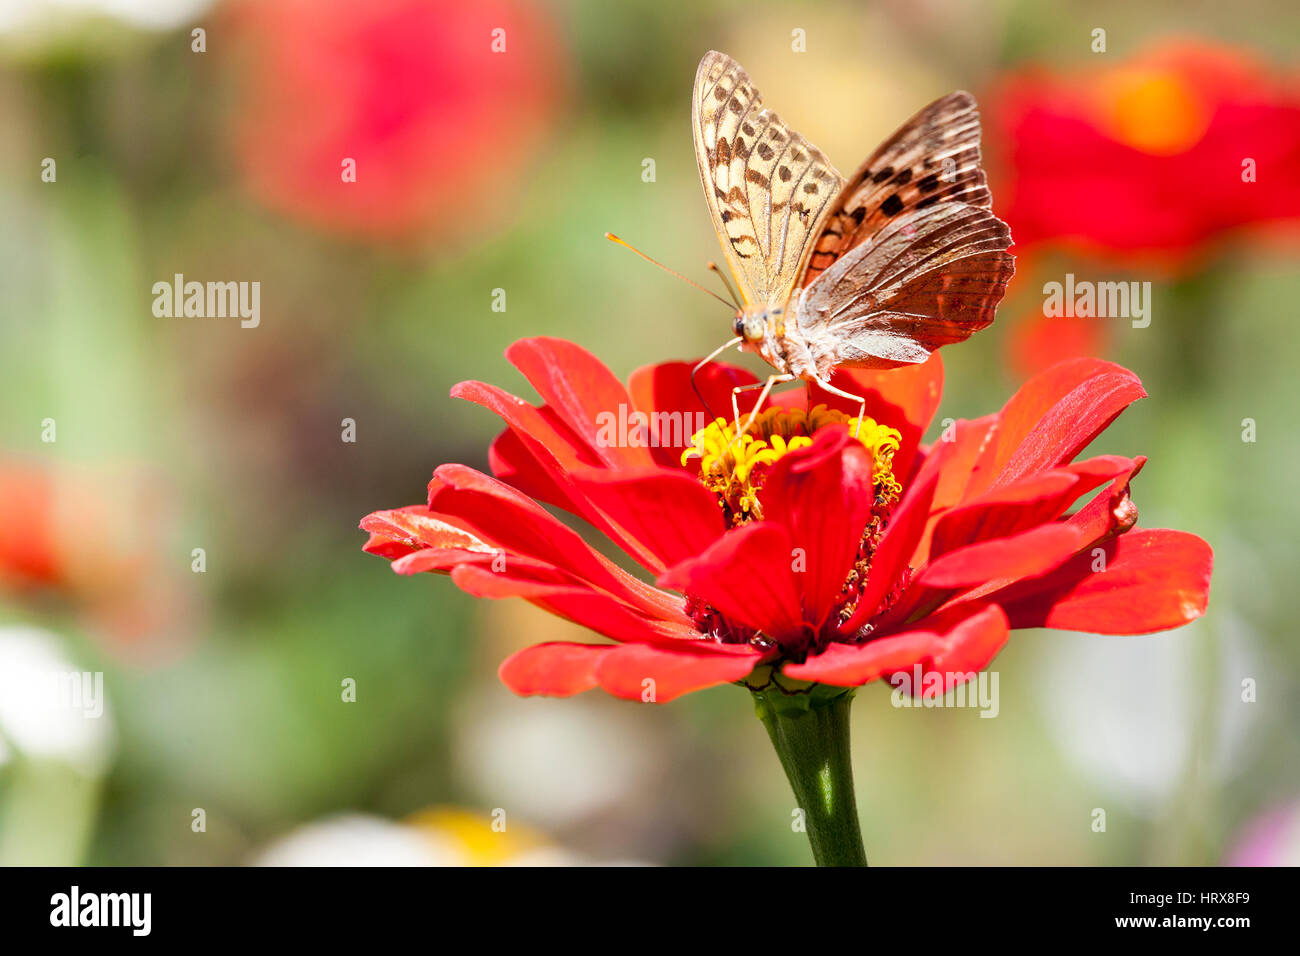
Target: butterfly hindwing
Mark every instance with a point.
(769, 190)
(930, 277)
(934, 157)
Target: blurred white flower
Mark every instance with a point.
(1127, 710)
(547, 856)
(361, 840)
(49, 709)
(552, 765)
(149, 14)
(437, 836)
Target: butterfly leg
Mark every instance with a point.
(862, 402)
(705, 361)
(758, 405)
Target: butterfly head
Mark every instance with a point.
(753, 325)
(749, 326)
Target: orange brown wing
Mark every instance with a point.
(934, 157)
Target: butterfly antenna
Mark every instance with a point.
(730, 291)
(613, 238)
(705, 361)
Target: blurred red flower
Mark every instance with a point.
(1157, 154)
(28, 545)
(810, 549)
(439, 125)
(92, 540)
(1036, 341)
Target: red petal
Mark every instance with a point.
(1111, 512)
(575, 603)
(582, 391)
(906, 525)
(953, 644)
(850, 665)
(746, 575)
(556, 452)
(823, 495)
(510, 520)
(386, 547)
(999, 513)
(1108, 514)
(968, 643)
(415, 526)
(904, 398)
(514, 463)
(666, 388)
(626, 672)
(544, 435)
(556, 669)
(1013, 557)
(1154, 580)
(1053, 417)
(959, 449)
(668, 512)
(445, 560)
(1031, 501)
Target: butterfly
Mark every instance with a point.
(876, 271)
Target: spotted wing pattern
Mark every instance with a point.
(932, 158)
(769, 190)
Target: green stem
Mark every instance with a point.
(810, 731)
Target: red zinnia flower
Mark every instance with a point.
(1156, 155)
(817, 549)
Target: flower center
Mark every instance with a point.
(734, 469)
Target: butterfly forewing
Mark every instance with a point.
(769, 190)
(934, 157)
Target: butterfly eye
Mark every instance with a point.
(738, 326)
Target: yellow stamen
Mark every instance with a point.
(733, 470)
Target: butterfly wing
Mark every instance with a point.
(930, 277)
(934, 157)
(769, 190)
(911, 257)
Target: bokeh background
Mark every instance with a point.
(127, 441)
